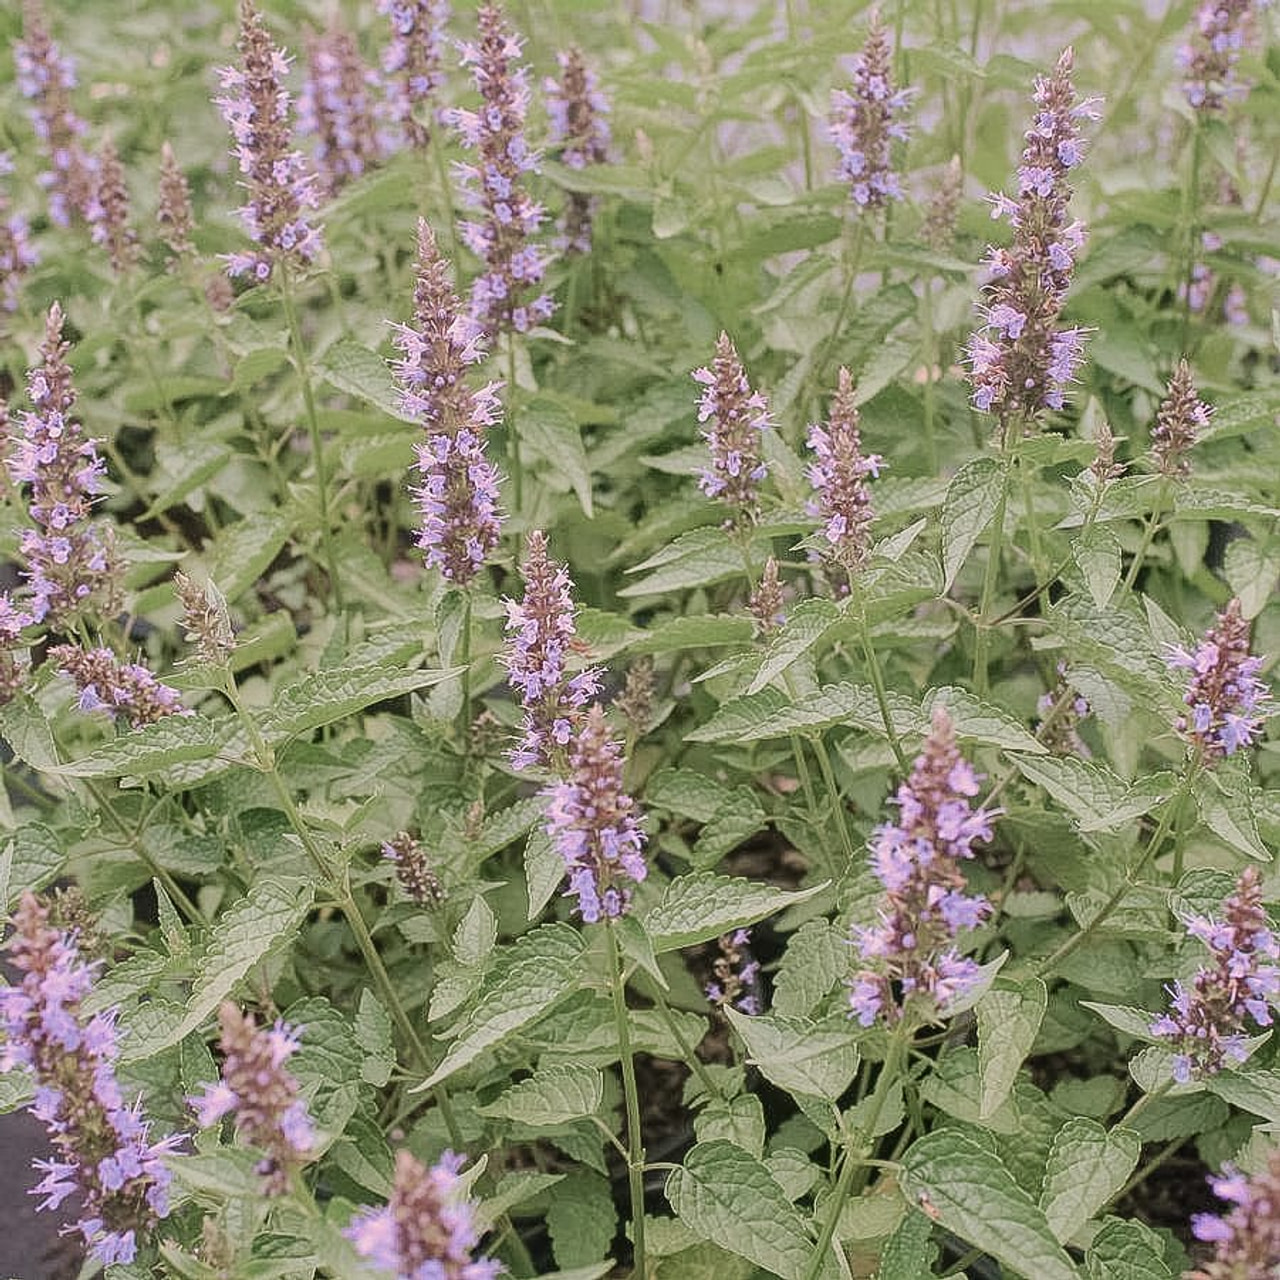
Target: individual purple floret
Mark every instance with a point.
(737, 974)
(427, 1230)
(126, 690)
(337, 108)
(1181, 418)
(256, 106)
(1226, 699)
(107, 212)
(263, 1095)
(513, 266)
(543, 634)
(1062, 734)
(1206, 1023)
(70, 564)
(1020, 361)
(45, 78)
(578, 114)
(910, 955)
(863, 123)
(103, 1158)
(412, 63)
(737, 416)
(1222, 29)
(1246, 1239)
(591, 820)
(17, 254)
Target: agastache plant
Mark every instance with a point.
(1246, 1238)
(495, 182)
(124, 690)
(910, 954)
(735, 418)
(413, 869)
(412, 62)
(280, 186)
(1221, 31)
(104, 1159)
(1021, 360)
(736, 982)
(337, 108)
(17, 253)
(13, 670)
(107, 212)
(578, 113)
(1181, 418)
(173, 210)
(1207, 1021)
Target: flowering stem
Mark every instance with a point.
(1190, 217)
(882, 694)
(635, 1140)
(1149, 530)
(982, 641)
(513, 440)
(464, 661)
(1144, 1102)
(829, 781)
(695, 1064)
(852, 256)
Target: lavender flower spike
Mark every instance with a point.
(17, 254)
(737, 974)
(536, 660)
(591, 821)
(1246, 1239)
(1226, 699)
(103, 1157)
(1206, 1023)
(412, 62)
(911, 950)
(427, 1231)
(13, 670)
(108, 211)
(1181, 418)
(336, 107)
(255, 104)
(737, 417)
(173, 211)
(126, 690)
(1222, 29)
(578, 112)
(495, 182)
(263, 1095)
(863, 123)
(1020, 361)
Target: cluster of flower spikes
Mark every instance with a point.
(578, 114)
(1226, 700)
(1206, 1022)
(1061, 734)
(337, 107)
(543, 635)
(910, 954)
(281, 188)
(107, 212)
(412, 62)
(427, 1230)
(737, 974)
(17, 254)
(863, 123)
(737, 417)
(103, 1156)
(1246, 1240)
(1222, 29)
(495, 183)
(70, 562)
(1181, 418)
(262, 1093)
(45, 78)
(458, 492)
(124, 690)
(1021, 362)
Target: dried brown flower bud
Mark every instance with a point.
(413, 870)
(174, 211)
(635, 702)
(766, 600)
(205, 619)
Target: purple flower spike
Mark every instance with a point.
(458, 499)
(427, 1230)
(263, 1096)
(917, 859)
(17, 254)
(863, 123)
(514, 266)
(1246, 1239)
(1206, 1023)
(103, 1157)
(336, 108)
(1223, 28)
(737, 975)
(1062, 736)
(173, 212)
(412, 63)
(108, 211)
(737, 417)
(591, 820)
(579, 126)
(1227, 702)
(1020, 361)
(1181, 418)
(13, 670)
(123, 689)
(256, 106)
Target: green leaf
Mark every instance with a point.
(974, 1194)
(979, 721)
(689, 794)
(581, 1219)
(805, 626)
(1126, 1250)
(1133, 1022)
(1097, 555)
(972, 498)
(241, 552)
(738, 818)
(1097, 798)
(553, 434)
(1087, 1165)
(910, 1252)
(1226, 808)
(543, 870)
(702, 631)
(703, 905)
(1251, 569)
(186, 471)
(555, 1094)
(24, 727)
(816, 958)
(347, 366)
(1255, 1091)
(772, 714)
(373, 1035)
(739, 1120)
(153, 748)
(31, 858)
(1008, 1023)
(725, 1195)
(527, 979)
(798, 1055)
(698, 558)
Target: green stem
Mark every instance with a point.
(1190, 218)
(811, 798)
(929, 343)
(635, 1140)
(829, 781)
(852, 257)
(513, 441)
(882, 693)
(695, 1064)
(982, 642)
(1150, 528)
(464, 660)
(446, 191)
(1144, 1102)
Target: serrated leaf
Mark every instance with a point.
(702, 631)
(543, 870)
(1251, 569)
(1087, 1165)
(347, 366)
(816, 958)
(182, 472)
(1097, 798)
(31, 858)
(699, 558)
(241, 552)
(373, 1035)
(25, 728)
(979, 721)
(1008, 1023)
(691, 795)
(553, 434)
(771, 714)
(581, 1219)
(1254, 1091)
(971, 501)
(1097, 556)
(554, 1094)
(1227, 810)
(1133, 1022)
(703, 905)
(738, 1120)
(724, 1195)
(910, 1252)
(476, 934)
(798, 1055)
(972, 1193)
(1126, 1250)
(738, 818)
(805, 626)
(152, 748)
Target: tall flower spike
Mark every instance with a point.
(337, 107)
(765, 603)
(910, 954)
(1222, 30)
(1181, 418)
(428, 1230)
(108, 210)
(1206, 1023)
(71, 567)
(579, 126)
(205, 619)
(173, 212)
(513, 266)
(125, 690)
(1020, 361)
(281, 188)
(863, 123)
(591, 821)
(1245, 1239)
(412, 63)
(939, 229)
(413, 869)
(17, 254)
(543, 633)
(263, 1095)
(737, 416)
(1227, 702)
(103, 1159)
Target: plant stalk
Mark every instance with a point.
(635, 1139)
